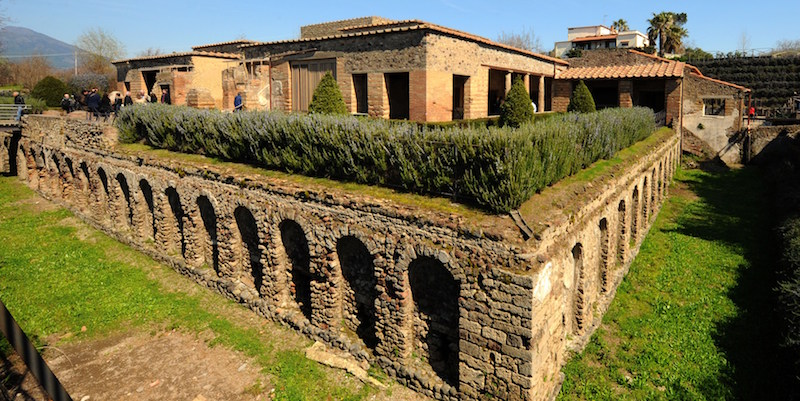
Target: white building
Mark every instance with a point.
(599, 37)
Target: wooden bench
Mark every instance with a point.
(10, 112)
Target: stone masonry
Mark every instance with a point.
(454, 307)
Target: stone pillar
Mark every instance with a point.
(526, 80)
(417, 95)
(625, 94)
(540, 101)
(377, 99)
(508, 82)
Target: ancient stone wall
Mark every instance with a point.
(772, 143)
(449, 307)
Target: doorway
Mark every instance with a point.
(397, 91)
(459, 85)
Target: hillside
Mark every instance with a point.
(18, 41)
(772, 79)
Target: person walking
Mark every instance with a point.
(20, 102)
(237, 102)
(128, 100)
(165, 97)
(93, 104)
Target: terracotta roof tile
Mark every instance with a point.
(182, 54)
(592, 38)
(653, 70)
(411, 25)
(230, 42)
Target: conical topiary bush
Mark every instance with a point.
(581, 100)
(517, 109)
(327, 97)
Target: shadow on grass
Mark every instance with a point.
(734, 211)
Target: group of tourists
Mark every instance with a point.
(97, 106)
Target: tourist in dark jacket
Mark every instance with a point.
(66, 104)
(128, 99)
(165, 97)
(93, 104)
(105, 107)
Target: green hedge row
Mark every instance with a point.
(495, 168)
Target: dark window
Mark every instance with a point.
(397, 89)
(714, 107)
(360, 89)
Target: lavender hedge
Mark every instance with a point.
(494, 168)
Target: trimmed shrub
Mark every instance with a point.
(77, 83)
(517, 108)
(494, 168)
(327, 97)
(581, 100)
(51, 90)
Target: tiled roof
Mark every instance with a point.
(653, 70)
(593, 38)
(230, 42)
(182, 54)
(411, 25)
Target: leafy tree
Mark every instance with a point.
(573, 53)
(100, 47)
(517, 108)
(77, 83)
(666, 29)
(620, 25)
(695, 53)
(51, 90)
(526, 40)
(581, 100)
(327, 97)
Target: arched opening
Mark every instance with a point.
(209, 246)
(58, 176)
(148, 229)
(296, 245)
(645, 203)
(605, 254)
(22, 165)
(251, 254)
(124, 209)
(86, 180)
(435, 318)
(622, 240)
(635, 214)
(178, 241)
(580, 307)
(653, 192)
(360, 293)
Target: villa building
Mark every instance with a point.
(599, 37)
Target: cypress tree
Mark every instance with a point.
(581, 100)
(517, 108)
(327, 97)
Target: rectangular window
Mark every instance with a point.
(360, 89)
(714, 107)
(624, 44)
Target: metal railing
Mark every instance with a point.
(25, 349)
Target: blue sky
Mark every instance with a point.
(177, 25)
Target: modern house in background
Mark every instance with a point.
(599, 37)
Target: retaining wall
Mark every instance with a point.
(454, 308)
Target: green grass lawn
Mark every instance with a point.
(694, 317)
(57, 275)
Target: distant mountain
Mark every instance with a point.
(17, 41)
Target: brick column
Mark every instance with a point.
(561, 93)
(526, 80)
(508, 82)
(540, 101)
(625, 94)
(377, 99)
(673, 90)
(417, 96)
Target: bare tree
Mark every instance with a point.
(29, 71)
(744, 42)
(787, 46)
(100, 48)
(526, 40)
(150, 51)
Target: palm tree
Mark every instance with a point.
(667, 28)
(620, 25)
